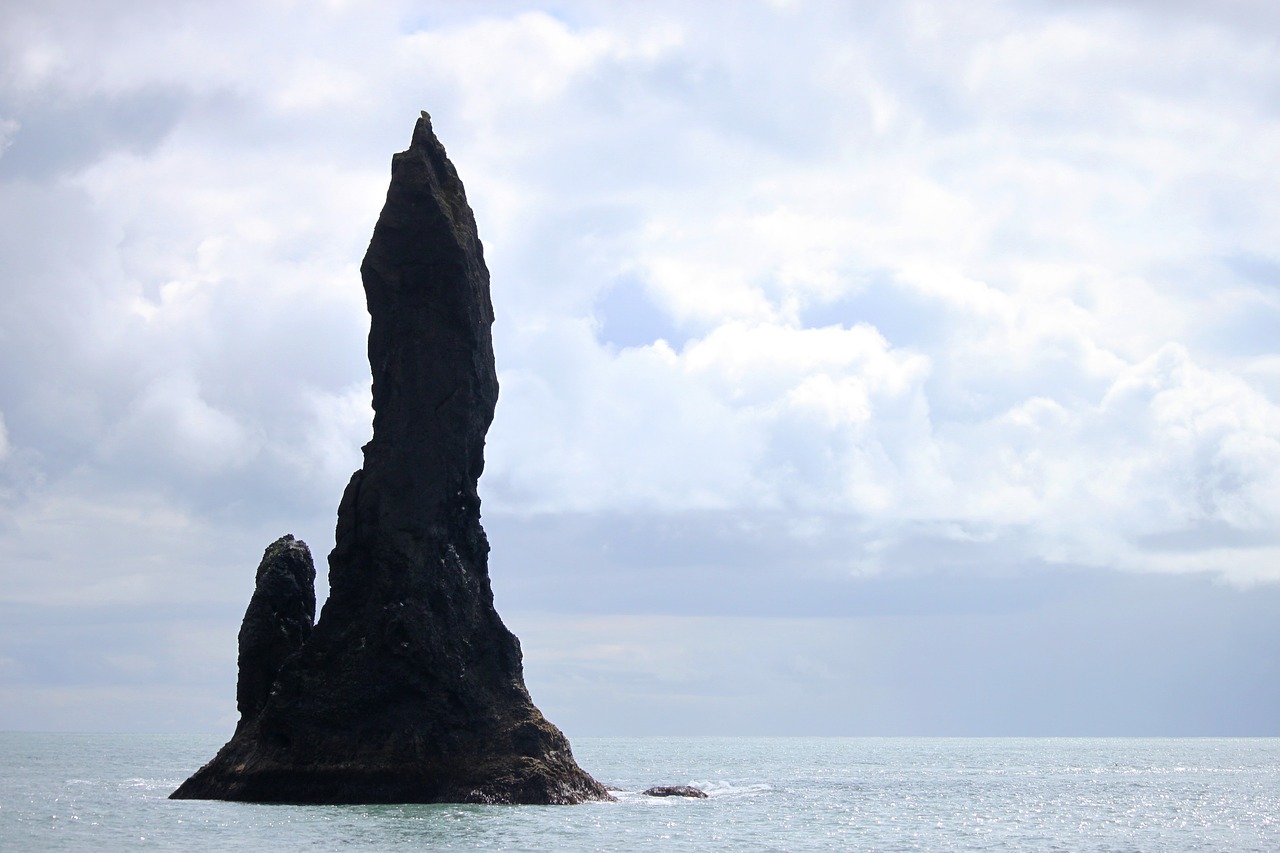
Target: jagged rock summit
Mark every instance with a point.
(409, 689)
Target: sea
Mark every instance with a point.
(108, 792)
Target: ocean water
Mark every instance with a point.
(108, 792)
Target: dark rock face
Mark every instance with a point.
(277, 623)
(409, 689)
(675, 791)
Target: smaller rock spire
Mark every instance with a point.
(410, 689)
(277, 622)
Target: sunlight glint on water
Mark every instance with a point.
(107, 792)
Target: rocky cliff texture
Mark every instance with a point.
(409, 689)
(277, 622)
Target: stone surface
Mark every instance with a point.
(277, 622)
(675, 791)
(409, 688)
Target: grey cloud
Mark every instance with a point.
(758, 564)
(150, 460)
(1257, 269)
(122, 668)
(59, 135)
(1099, 655)
(1209, 536)
(1248, 18)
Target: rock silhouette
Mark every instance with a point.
(409, 689)
(277, 623)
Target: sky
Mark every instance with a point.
(875, 368)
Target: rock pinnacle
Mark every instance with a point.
(409, 689)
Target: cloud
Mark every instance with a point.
(171, 419)
(789, 296)
(66, 136)
(1078, 655)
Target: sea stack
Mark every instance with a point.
(409, 689)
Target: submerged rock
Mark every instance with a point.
(409, 689)
(675, 791)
